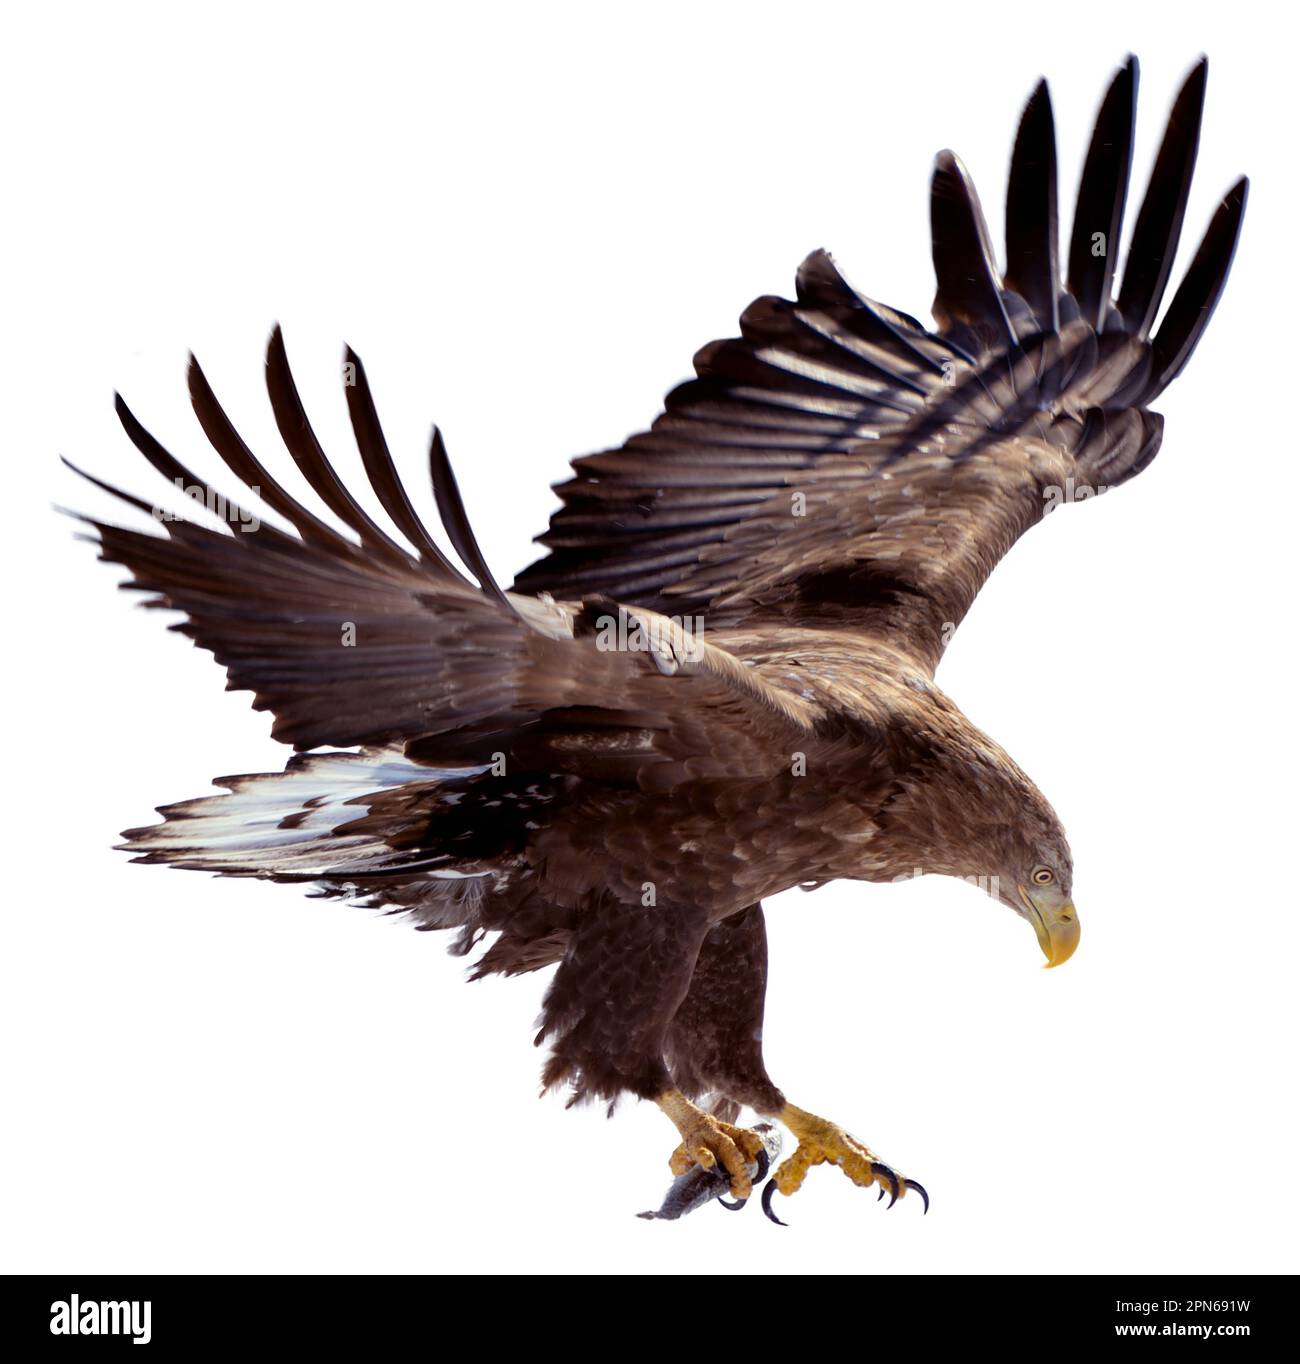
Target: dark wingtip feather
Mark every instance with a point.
(308, 454)
(451, 508)
(1032, 266)
(129, 498)
(162, 460)
(1160, 219)
(158, 455)
(241, 461)
(968, 293)
(1103, 189)
(379, 465)
(1198, 295)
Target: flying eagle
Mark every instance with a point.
(718, 682)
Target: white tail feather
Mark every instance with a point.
(286, 823)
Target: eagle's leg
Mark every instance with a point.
(607, 1013)
(715, 1046)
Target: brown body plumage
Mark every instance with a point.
(603, 787)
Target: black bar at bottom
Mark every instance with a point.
(366, 1313)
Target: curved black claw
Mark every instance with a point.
(881, 1194)
(878, 1169)
(917, 1188)
(764, 1163)
(768, 1190)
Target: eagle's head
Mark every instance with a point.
(1034, 875)
(967, 810)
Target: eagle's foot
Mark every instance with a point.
(709, 1142)
(822, 1142)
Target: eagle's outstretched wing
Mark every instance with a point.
(370, 642)
(839, 465)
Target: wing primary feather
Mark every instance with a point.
(1160, 219)
(452, 510)
(968, 290)
(169, 466)
(245, 466)
(129, 498)
(1103, 189)
(1032, 267)
(1198, 295)
(301, 441)
(380, 468)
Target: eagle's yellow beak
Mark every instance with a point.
(1057, 927)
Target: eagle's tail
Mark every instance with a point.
(328, 817)
(442, 844)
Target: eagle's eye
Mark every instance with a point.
(1043, 876)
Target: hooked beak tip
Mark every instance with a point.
(1057, 930)
(1059, 937)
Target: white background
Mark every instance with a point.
(526, 222)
